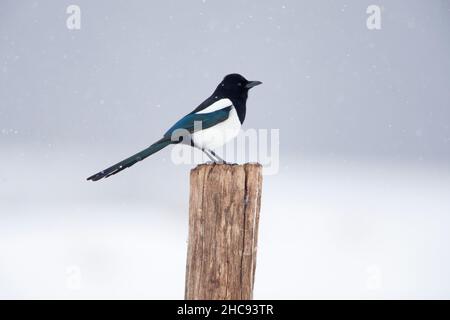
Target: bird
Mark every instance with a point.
(213, 123)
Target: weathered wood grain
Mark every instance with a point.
(223, 231)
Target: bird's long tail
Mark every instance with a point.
(160, 144)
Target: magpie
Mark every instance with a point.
(213, 123)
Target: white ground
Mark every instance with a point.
(329, 229)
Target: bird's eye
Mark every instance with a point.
(239, 84)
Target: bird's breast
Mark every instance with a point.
(216, 136)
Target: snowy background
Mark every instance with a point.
(360, 207)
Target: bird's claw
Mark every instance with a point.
(227, 163)
(222, 162)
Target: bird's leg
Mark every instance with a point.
(209, 156)
(219, 158)
(205, 151)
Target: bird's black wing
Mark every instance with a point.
(199, 121)
(189, 123)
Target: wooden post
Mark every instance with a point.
(223, 231)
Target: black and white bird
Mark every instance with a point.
(213, 123)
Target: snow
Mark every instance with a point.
(329, 229)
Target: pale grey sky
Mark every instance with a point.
(330, 85)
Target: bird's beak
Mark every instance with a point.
(252, 84)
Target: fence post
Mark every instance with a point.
(223, 231)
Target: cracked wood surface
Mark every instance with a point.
(223, 231)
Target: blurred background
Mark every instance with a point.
(360, 206)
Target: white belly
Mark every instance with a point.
(219, 134)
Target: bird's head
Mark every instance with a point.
(235, 85)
